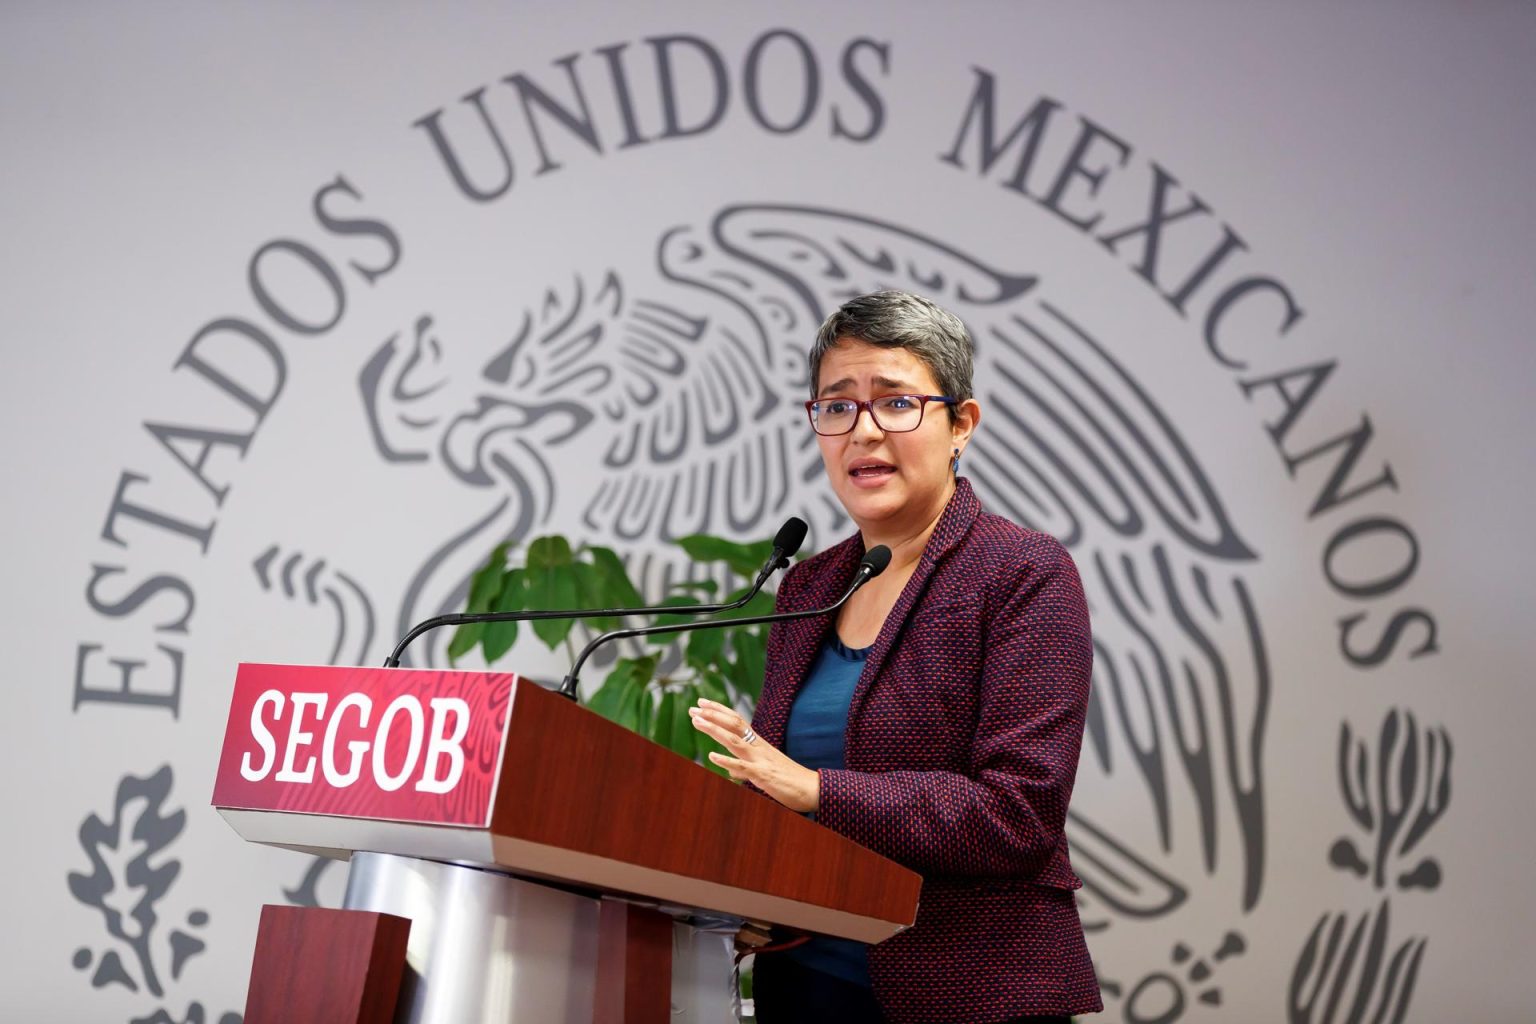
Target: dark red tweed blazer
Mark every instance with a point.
(961, 751)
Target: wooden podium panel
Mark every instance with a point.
(541, 788)
(581, 799)
(318, 966)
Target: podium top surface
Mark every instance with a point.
(493, 770)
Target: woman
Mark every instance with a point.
(938, 719)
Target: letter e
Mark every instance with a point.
(297, 737)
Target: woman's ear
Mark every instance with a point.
(967, 416)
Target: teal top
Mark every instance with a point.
(814, 738)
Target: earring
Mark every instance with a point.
(954, 463)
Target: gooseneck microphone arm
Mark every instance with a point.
(785, 544)
(872, 565)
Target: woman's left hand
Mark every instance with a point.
(753, 760)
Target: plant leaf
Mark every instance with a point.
(632, 714)
(705, 646)
(663, 729)
(464, 639)
(684, 738)
(711, 684)
(743, 559)
(611, 696)
(748, 661)
(552, 587)
(485, 584)
(497, 638)
(615, 699)
(617, 590)
(645, 703)
(751, 650)
(591, 594)
(549, 552)
(674, 601)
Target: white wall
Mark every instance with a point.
(1374, 161)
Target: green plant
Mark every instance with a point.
(725, 665)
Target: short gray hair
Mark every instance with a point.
(893, 319)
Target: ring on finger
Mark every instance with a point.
(749, 736)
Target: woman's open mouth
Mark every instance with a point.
(869, 473)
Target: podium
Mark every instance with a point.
(514, 857)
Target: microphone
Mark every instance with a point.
(871, 565)
(786, 543)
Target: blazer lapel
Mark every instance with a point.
(956, 521)
(804, 639)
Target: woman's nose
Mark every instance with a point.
(864, 425)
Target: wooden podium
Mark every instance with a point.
(538, 851)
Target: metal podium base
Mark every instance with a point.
(487, 947)
(484, 946)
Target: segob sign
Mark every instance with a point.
(387, 744)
